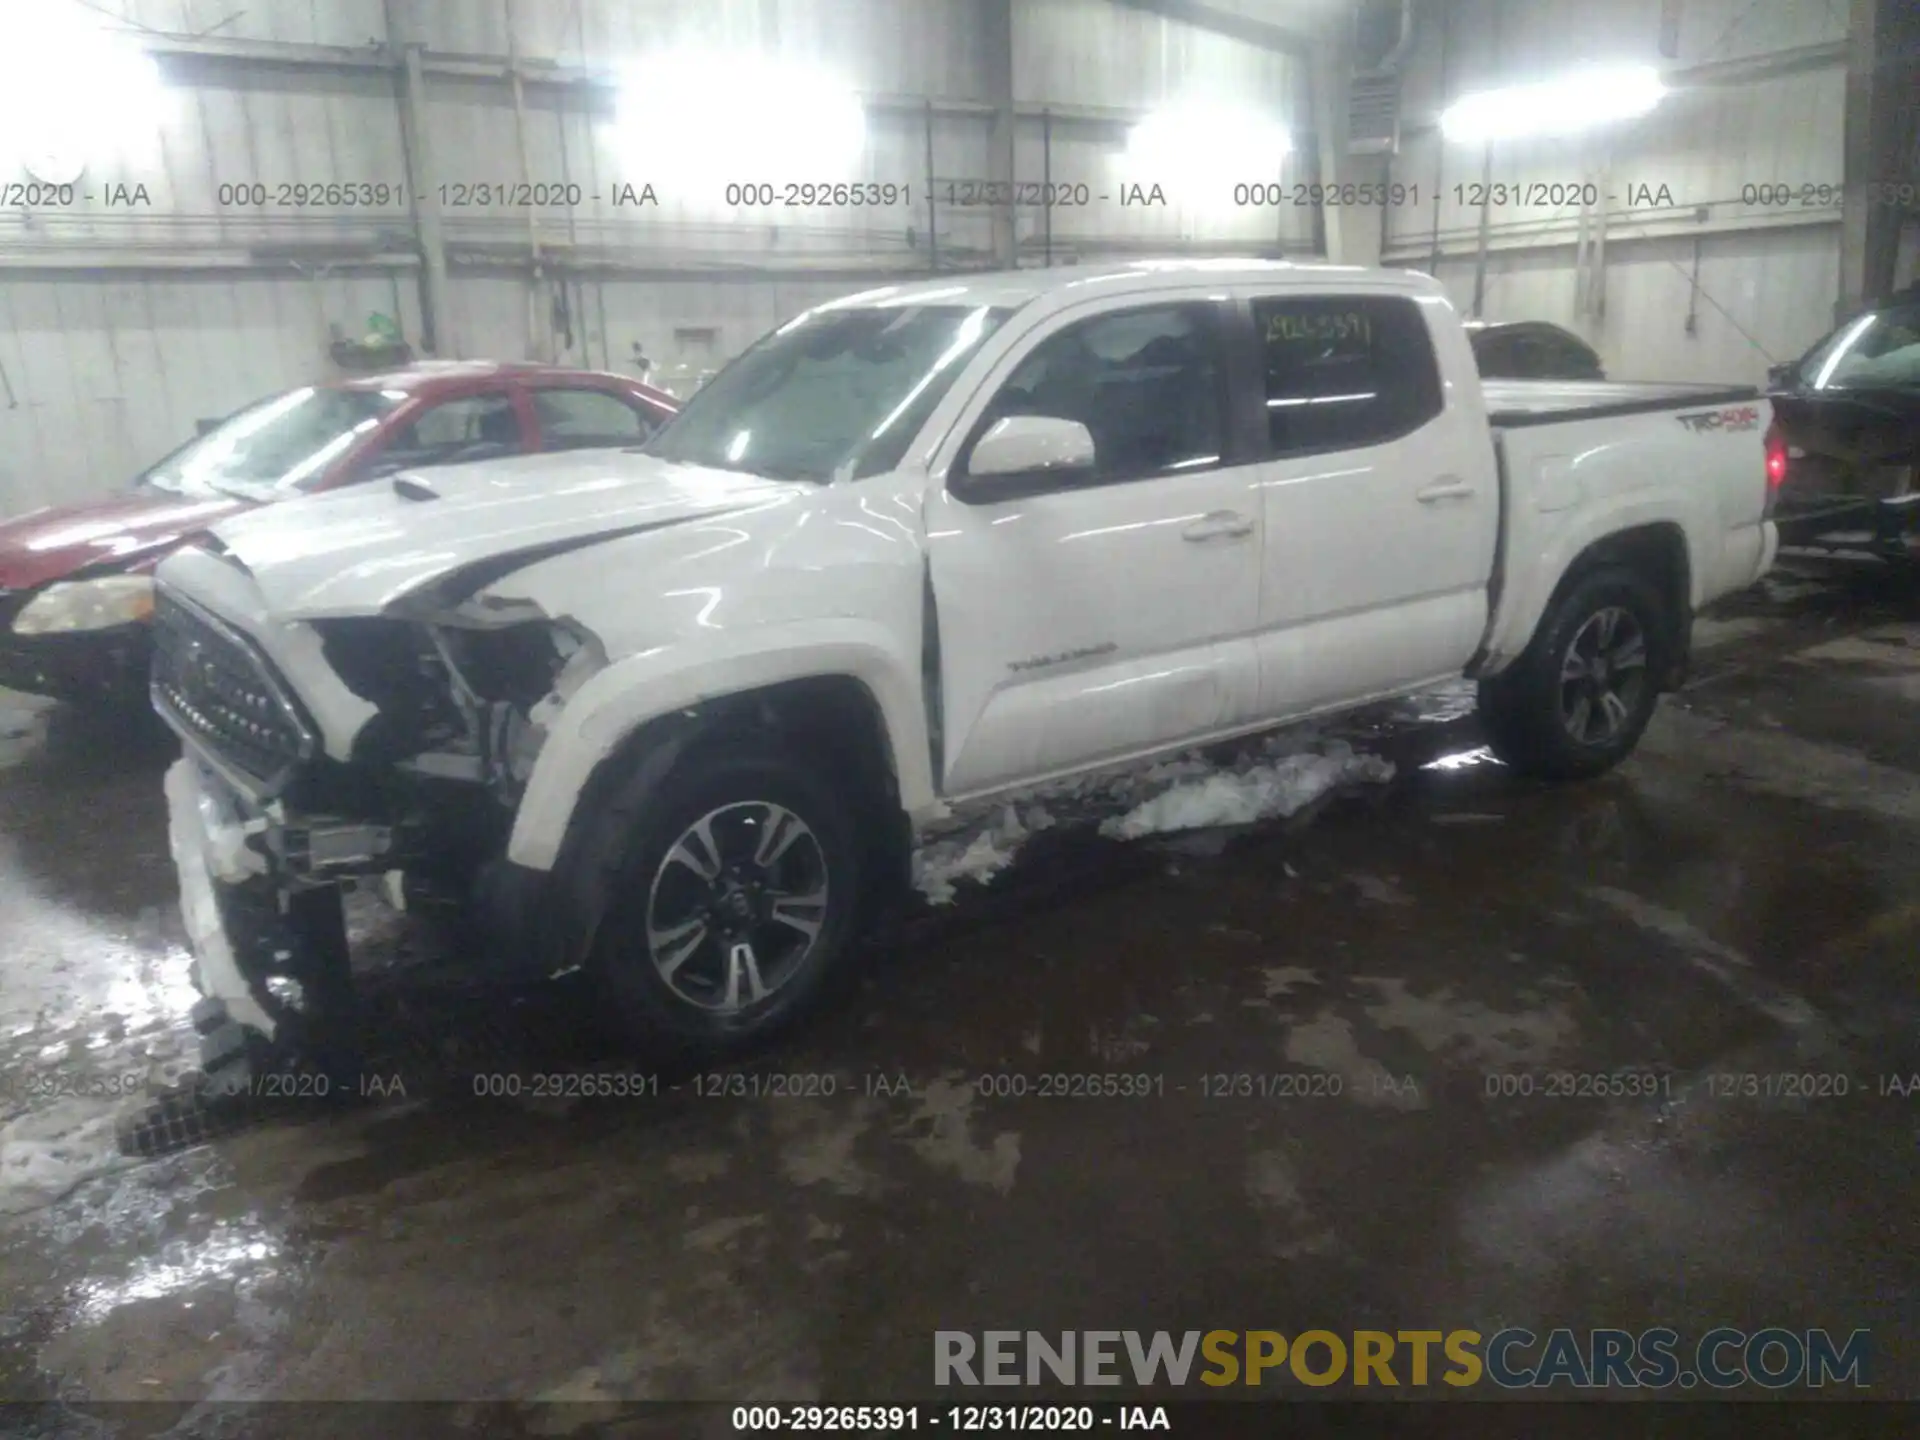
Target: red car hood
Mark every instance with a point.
(48, 545)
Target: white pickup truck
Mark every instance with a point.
(674, 715)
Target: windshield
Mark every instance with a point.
(274, 448)
(834, 395)
(1880, 349)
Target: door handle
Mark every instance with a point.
(1445, 490)
(1219, 525)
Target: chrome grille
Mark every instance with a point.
(221, 693)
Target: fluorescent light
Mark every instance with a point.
(1563, 106)
(1203, 133)
(1205, 149)
(73, 91)
(708, 117)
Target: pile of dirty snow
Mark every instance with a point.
(1247, 794)
(47, 1152)
(976, 855)
(1279, 778)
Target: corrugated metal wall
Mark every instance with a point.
(1747, 168)
(122, 323)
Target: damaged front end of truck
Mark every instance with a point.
(273, 819)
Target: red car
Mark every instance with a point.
(76, 591)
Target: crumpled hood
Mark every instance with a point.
(357, 550)
(48, 545)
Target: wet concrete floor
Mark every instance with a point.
(1739, 900)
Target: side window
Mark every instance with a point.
(1146, 383)
(474, 427)
(1570, 360)
(1494, 356)
(1534, 358)
(1345, 371)
(580, 419)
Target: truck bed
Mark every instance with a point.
(1513, 403)
(1583, 459)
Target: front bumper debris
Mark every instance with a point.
(212, 849)
(261, 894)
(270, 946)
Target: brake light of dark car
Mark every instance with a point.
(1776, 460)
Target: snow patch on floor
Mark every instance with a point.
(977, 856)
(48, 1151)
(941, 1133)
(1265, 790)
(1326, 1043)
(1466, 1031)
(1278, 778)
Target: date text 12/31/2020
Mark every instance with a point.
(959, 1419)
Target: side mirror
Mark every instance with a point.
(1024, 452)
(1780, 377)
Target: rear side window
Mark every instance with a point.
(467, 428)
(581, 419)
(1549, 356)
(1345, 371)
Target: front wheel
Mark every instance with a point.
(1575, 703)
(733, 895)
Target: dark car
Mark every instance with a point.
(1531, 350)
(76, 592)
(1844, 447)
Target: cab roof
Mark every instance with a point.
(426, 374)
(1066, 283)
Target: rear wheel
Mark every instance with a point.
(1576, 702)
(732, 900)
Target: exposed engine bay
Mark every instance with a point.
(461, 701)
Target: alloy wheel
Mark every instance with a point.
(736, 906)
(1603, 676)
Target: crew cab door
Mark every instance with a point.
(1379, 494)
(1108, 613)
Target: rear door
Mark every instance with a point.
(1379, 496)
(1110, 615)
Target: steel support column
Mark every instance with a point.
(1880, 73)
(437, 322)
(996, 29)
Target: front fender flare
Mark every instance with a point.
(658, 682)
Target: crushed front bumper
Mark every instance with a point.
(261, 894)
(268, 932)
(213, 852)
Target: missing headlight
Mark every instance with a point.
(514, 664)
(461, 700)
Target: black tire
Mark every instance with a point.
(1529, 712)
(664, 1016)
